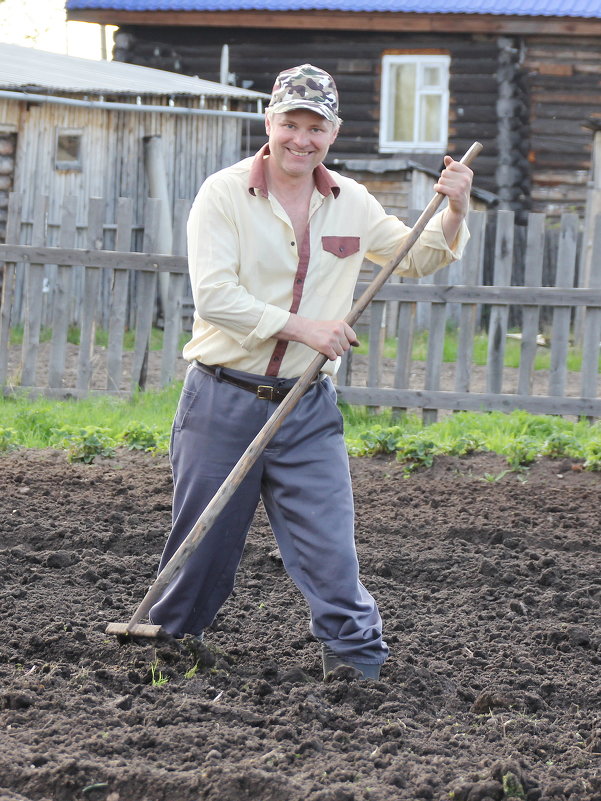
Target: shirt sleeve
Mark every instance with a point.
(430, 253)
(214, 258)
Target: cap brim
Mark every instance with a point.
(295, 105)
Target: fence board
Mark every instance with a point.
(533, 275)
(119, 293)
(15, 202)
(469, 401)
(468, 313)
(592, 327)
(90, 299)
(175, 295)
(62, 296)
(145, 298)
(438, 316)
(497, 328)
(34, 284)
(560, 332)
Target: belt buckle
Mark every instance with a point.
(265, 392)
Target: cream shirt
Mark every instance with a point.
(247, 270)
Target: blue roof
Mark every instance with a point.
(547, 8)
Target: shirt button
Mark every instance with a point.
(292, 244)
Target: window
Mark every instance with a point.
(414, 103)
(68, 149)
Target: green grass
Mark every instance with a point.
(96, 426)
(480, 350)
(101, 337)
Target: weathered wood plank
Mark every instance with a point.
(560, 332)
(497, 328)
(93, 258)
(469, 401)
(173, 315)
(437, 329)
(117, 316)
(145, 300)
(508, 295)
(91, 288)
(13, 223)
(62, 296)
(535, 246)
(471, 274)
(592, 328)
(34, 283)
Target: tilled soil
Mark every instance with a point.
(490, 589)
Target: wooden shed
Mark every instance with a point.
(521, 76)
(84, 128)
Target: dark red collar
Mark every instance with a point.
(257, 180)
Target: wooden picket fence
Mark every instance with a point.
(124, 284)
(122, 281)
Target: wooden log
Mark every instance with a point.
(34, 284)
(497, 328)
(533, 275)
(62, 296)
(560, 332)
(119, 294)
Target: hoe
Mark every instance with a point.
(135, 627)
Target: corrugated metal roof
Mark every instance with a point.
(28, 68)
(547, 8)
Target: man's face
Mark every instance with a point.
(299, 141)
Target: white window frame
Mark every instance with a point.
(387, 143)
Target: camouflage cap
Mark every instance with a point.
(305, 87)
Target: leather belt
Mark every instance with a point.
(268, 392)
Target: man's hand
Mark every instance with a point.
(455, 182)
(330, 337)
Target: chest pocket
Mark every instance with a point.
(341, 246)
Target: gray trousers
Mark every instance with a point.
(302, 477)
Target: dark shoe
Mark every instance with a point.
(203, 657)
(333, 662)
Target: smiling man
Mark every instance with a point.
(275, 245)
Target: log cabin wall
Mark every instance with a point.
(354, 59)
(524, 96)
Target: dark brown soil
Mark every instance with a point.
(491, 596)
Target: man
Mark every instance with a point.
(275, 245)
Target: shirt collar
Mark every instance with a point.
(257, 180)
